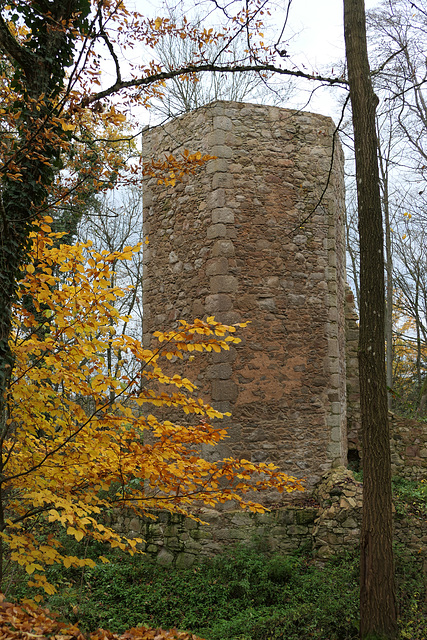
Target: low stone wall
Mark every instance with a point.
(340, 514)
(328, 524)
(175, 540)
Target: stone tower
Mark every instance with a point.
(257, 234)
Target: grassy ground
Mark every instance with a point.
(243, 595)
(238, 596)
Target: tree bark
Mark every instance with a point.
(377, 591)
(384, 171)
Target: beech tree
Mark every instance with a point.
(80, 436)
(54, 107)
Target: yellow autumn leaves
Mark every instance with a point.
(78, 414)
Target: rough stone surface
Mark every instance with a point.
(265, 246)
(408, 447)
(327, 525)
(352, 379)
(245, 238)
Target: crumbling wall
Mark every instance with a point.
(257, 234)
(327, 524)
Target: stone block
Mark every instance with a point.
(224, 390)
(222, 180)
(222, 123)
(334, 450)
(221, 151)
(165, 558)
(223, 214)
(285, 516)
(219, 164)
(336, 434)
(223, 247)
(298, 530)
(242, 519)
(336, 408)
(267, 304)
(217, 266)
(223, 284)
(305, 516)
(350, 523)
(151, 548)
(185, 560)
(221, 371)
(135, 525)
(218, 302)
(333, 420)
(217, 138)
(216, 199)
(232, 534)
(216, 231)
(333, 348)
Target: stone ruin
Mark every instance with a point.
(258, 234)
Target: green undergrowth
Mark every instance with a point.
(240, 595)
(410, 497)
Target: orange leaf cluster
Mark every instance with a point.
(25, 622)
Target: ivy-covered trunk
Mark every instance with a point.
(37, 72)
(31, 143)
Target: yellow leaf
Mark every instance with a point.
(104, 559)
(67, 126)
(49, 588)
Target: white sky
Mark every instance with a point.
(319, 43)
(317, 40)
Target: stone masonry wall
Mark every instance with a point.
(246, 239)
(408, 447)
(174, 539)
(327, 525)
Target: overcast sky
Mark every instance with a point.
(317, 40)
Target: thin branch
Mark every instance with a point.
(194, 68)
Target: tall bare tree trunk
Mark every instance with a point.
(377, 591)
(384, 164)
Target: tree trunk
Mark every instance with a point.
(384, 164)
(377, 591)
